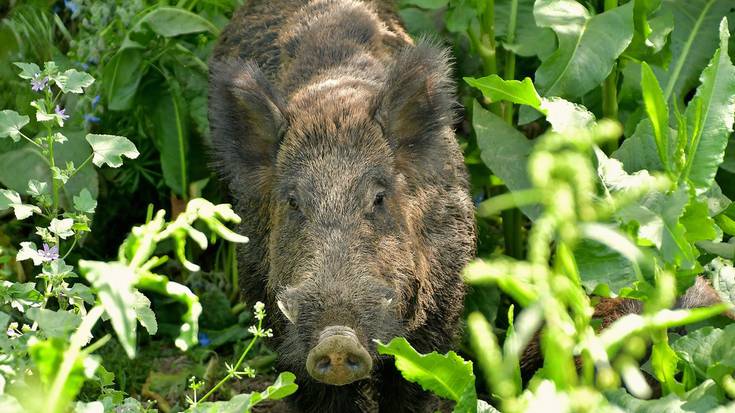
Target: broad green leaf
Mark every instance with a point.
(121, 77)
(640, 152)
(11, 123)
(602, 269)
(84, 202)
(708, 350)
(283, 386)
(27, 70)
(504, 150)
(37, 188)
(516, 91)
(658, 113)
(109, 149)
(588, 46)
(447, 376)
(693, 42)
(47, 356)
(62, 227)
(143, 312)
(169, 115)
(73, 81)
(18, 167)
(426, 4)
(20, 295)
(710, 116)
(114, 285)
(173, 21)
(530, 39)
(564, 116)
(11, 199)
(698, 224)
(652, 28)
(28, 251)
(704, 398)
(58, 323)
(658, 219)
(44, 114)
(723, 278)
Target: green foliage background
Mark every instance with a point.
(598, 136)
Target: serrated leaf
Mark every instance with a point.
(722, 274)
(282, 387)
(73, 81)
(588, 45)
(658, 112)
(504, 150)
(27, 70)
(11, 123)
(710, 117)
(28, 251)
(84, 202)
(708, 347)
(109, 149)
(447, 376)
(144, 314)
(37, 188)
(114, 284)
(693, 42)
(495, 88)
(174, 21)
(122, 76)
(11, 199)
(62, 227)
(703, 398)
(55, 323)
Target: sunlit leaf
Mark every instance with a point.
(11, 122)
(447, 376)
(109, 149)
(588, 45)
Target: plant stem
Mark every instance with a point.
(610, 91)
(78, 339)
(54, 181)
(73, 244)
(235, 367)
(512, 220)
(79, 168)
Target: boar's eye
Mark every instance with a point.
(379, 199)
(292, 203)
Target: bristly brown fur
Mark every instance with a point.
(333, 132)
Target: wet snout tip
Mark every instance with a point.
(339, 359)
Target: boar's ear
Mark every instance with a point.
(417, 102)
(246, 117)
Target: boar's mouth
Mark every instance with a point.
(338, 357)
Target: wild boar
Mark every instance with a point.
(333, 131)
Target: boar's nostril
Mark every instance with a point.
(338, 358)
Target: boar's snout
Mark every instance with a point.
(338, 358)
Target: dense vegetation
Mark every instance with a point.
(596, 134)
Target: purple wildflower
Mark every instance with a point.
(72, 7)
(38, 84)
(95, 101)
(61, 112)
(49, 254)
(204, 339)
(88, 117)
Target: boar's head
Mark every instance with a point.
(339, 177)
